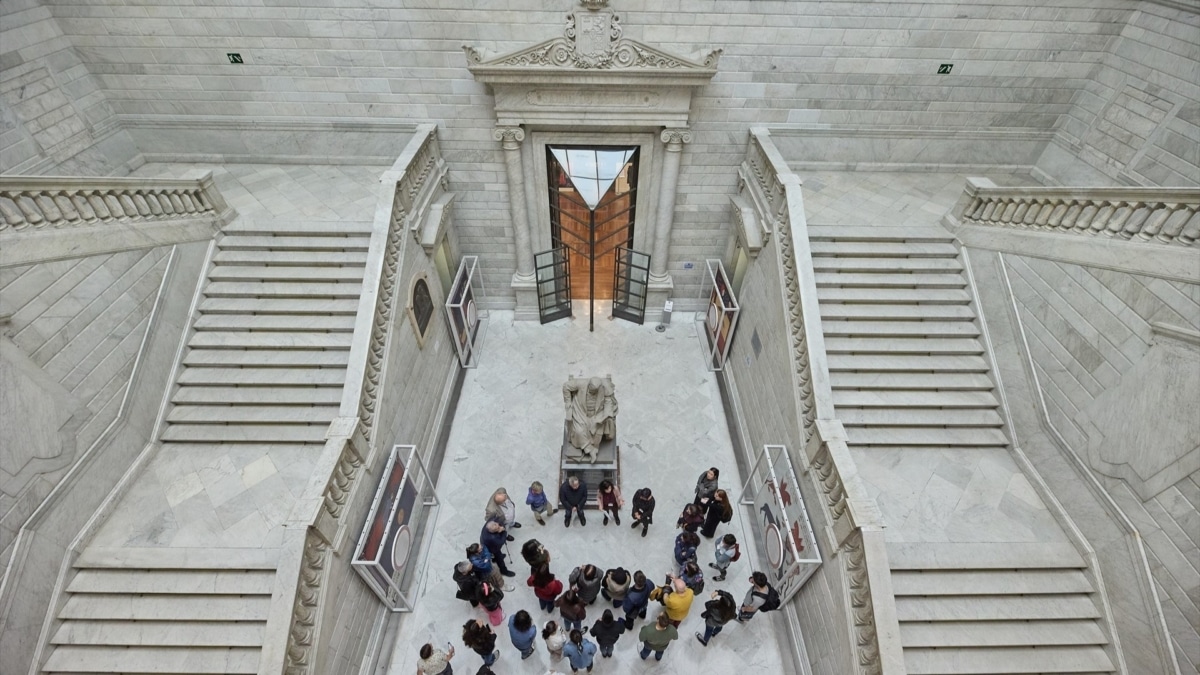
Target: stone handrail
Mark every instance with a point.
(856, 521)
(317, 523)
(1159, 215)
(40, 202)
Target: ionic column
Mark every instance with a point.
(510, 138)
(674, 138)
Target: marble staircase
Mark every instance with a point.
(911, 383)
(262, 377)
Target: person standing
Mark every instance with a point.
(685, 548)
(503, 509)
(706, 485)
(637, 598)
(656, 637)
(693, 577)
(493, 538)
(539, 503)
(610, 500)
(545, 586)
(555, 639)
(535, 554)
(580, 651)
(691, 519)
(615, 585)
(642, 509)
(464, 576)
(490, 597)
(435, 661)
(718, 611)
(726, 552)
(586, 579)
(522, 633)
(481, 562)
(572, 609)
(479, 637)
(572, 497)
(756, 597)
(606, 630)
(718, 511)
(678, 602)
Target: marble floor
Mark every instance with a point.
(671, 427)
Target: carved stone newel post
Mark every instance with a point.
(510, 138)
(674, 138)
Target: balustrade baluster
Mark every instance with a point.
(83, 206)
(12, 213)
(115, 209)
(1155, 222)
(1100, 221)
(1007, 215)
(128, 206)
(1057, 216)
(65, 207)
(154, 202)
(33, 215)
(1068, 219)
(177, 205)
(1084, 219)
(48, 209)
(1191, 229)
(991, 207)
(1174, 225)
(99, 205)
(1018, 216)
(1117, 222)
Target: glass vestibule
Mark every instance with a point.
(593, 207)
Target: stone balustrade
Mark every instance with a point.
(1158, 215)
(857, 525)
(34, 202)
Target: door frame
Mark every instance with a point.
(649, 167)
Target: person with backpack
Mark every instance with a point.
(727, 552)
(637, 599)
(642, 510)
(692, 577)
(718, 510)
(586, 580)
(464, 576)
(718, 611)
(761, 597)
(481, 562)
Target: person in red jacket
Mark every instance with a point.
(545, 587)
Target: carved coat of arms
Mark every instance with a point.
(595, 35)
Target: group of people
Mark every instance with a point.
(481, 581)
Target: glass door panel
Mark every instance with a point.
(630, 279)
(553, 270)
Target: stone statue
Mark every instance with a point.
(591, 415)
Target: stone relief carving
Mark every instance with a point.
(676, 136)
(862, 606)
(594, 99)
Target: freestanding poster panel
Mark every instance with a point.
(791, 554)
(463, 312)
(395, 525)
(720, 316)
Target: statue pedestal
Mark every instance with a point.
(606, 467)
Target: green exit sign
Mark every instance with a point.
(944, 69)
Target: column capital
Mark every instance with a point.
(674, 138)
(509, 135)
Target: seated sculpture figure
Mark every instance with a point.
(591, 415)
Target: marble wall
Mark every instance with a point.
(1137, 120)
(856, 67)
(766, 414)
(54, 116)
(1116, 357)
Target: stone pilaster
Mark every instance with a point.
(660, 285)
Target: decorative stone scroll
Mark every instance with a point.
(38, 203)
(1155, 215)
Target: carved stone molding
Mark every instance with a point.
(511, 137)
(676, 136)
(862, 610)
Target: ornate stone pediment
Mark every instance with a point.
(592, 44)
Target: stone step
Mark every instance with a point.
(251, 414)
(928, 329)
(101, 607)
(191, 559)
(1001, 633)
(283, 289)
(899, 399)
(911, 381)
(963, 437)
(261, 306)
(246, 433)
(884, 249)
(280, 377)
(989, 582)
(276, 340)
(339, 323)
(912, 233)
(192, 582)
(910, 296)
(314, 259)
(232, 242)
(918, 417)
(895, 345)
(979, 556)
(161, 633)
(909, 363)
(284, 273)
(144, 660)
(1082, 660)
(914, 265)
(995, 608)
(884, 280)
(291, 358)
(259, 395)
(897, 311)
(315, 228)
